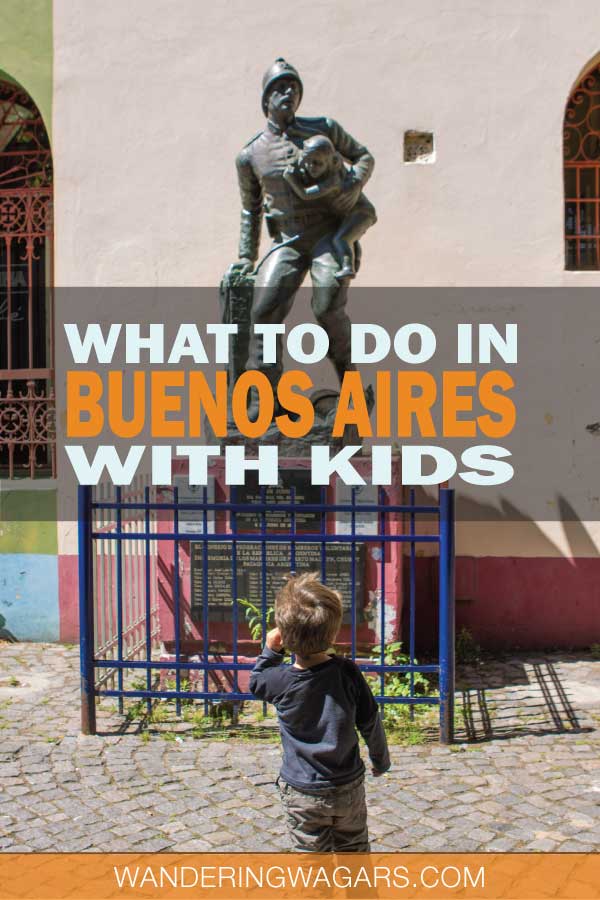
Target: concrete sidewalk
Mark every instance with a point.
(525, 774)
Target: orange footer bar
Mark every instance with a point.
(388, 876)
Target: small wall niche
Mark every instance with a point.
(419, 147)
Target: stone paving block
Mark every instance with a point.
(155, 845)
(432, 823)
(195, 845)
(218, 837)
(433, 843)
(205, 826)
(501, 845)
(243, 828)
(525, 789)
(578, 847)
(233, 804)
(480, 835)
(77, 845)
(129, 828)
(544, 845)
(12, 780)
(108, 843)
(464, 845)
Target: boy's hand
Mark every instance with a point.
(377, 773)
(273, 640)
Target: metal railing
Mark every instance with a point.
(148, 530)
(27, 402)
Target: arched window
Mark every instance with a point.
(27, 435)
(582, 173)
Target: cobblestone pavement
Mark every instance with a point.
(525, 774)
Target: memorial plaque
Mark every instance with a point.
(219, 573)
(279, 520)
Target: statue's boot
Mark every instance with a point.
(347, 271)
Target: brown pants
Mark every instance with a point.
(332, 820)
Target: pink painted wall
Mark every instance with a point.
(511, 602)
(68, 592)
(505, 602)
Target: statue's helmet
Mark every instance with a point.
(280, 69)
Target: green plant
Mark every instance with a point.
(184, 685)
(467, 649)
(160, 713)
(198, 733)
(398, 716)
(254, 618)
(195, 715)
(407, 734)
(136, 710)
(595, 651)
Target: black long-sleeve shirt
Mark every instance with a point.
(319, 710)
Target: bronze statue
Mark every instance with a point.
(319, 173)
(294, 172)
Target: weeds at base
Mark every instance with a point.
(406, 723)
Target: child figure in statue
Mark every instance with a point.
(318, 174)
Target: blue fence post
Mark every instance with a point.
(446, 653)
(86, 610)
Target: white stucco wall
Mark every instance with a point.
(153, 99)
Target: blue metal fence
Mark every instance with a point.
(134, 541)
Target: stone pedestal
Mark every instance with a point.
(325, 405)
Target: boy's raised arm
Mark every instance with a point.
(271, 655)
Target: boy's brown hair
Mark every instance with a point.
(308, 614)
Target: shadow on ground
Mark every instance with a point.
(535, 696)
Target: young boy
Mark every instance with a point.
(320, 700)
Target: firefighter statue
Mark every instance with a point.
(306, 221)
